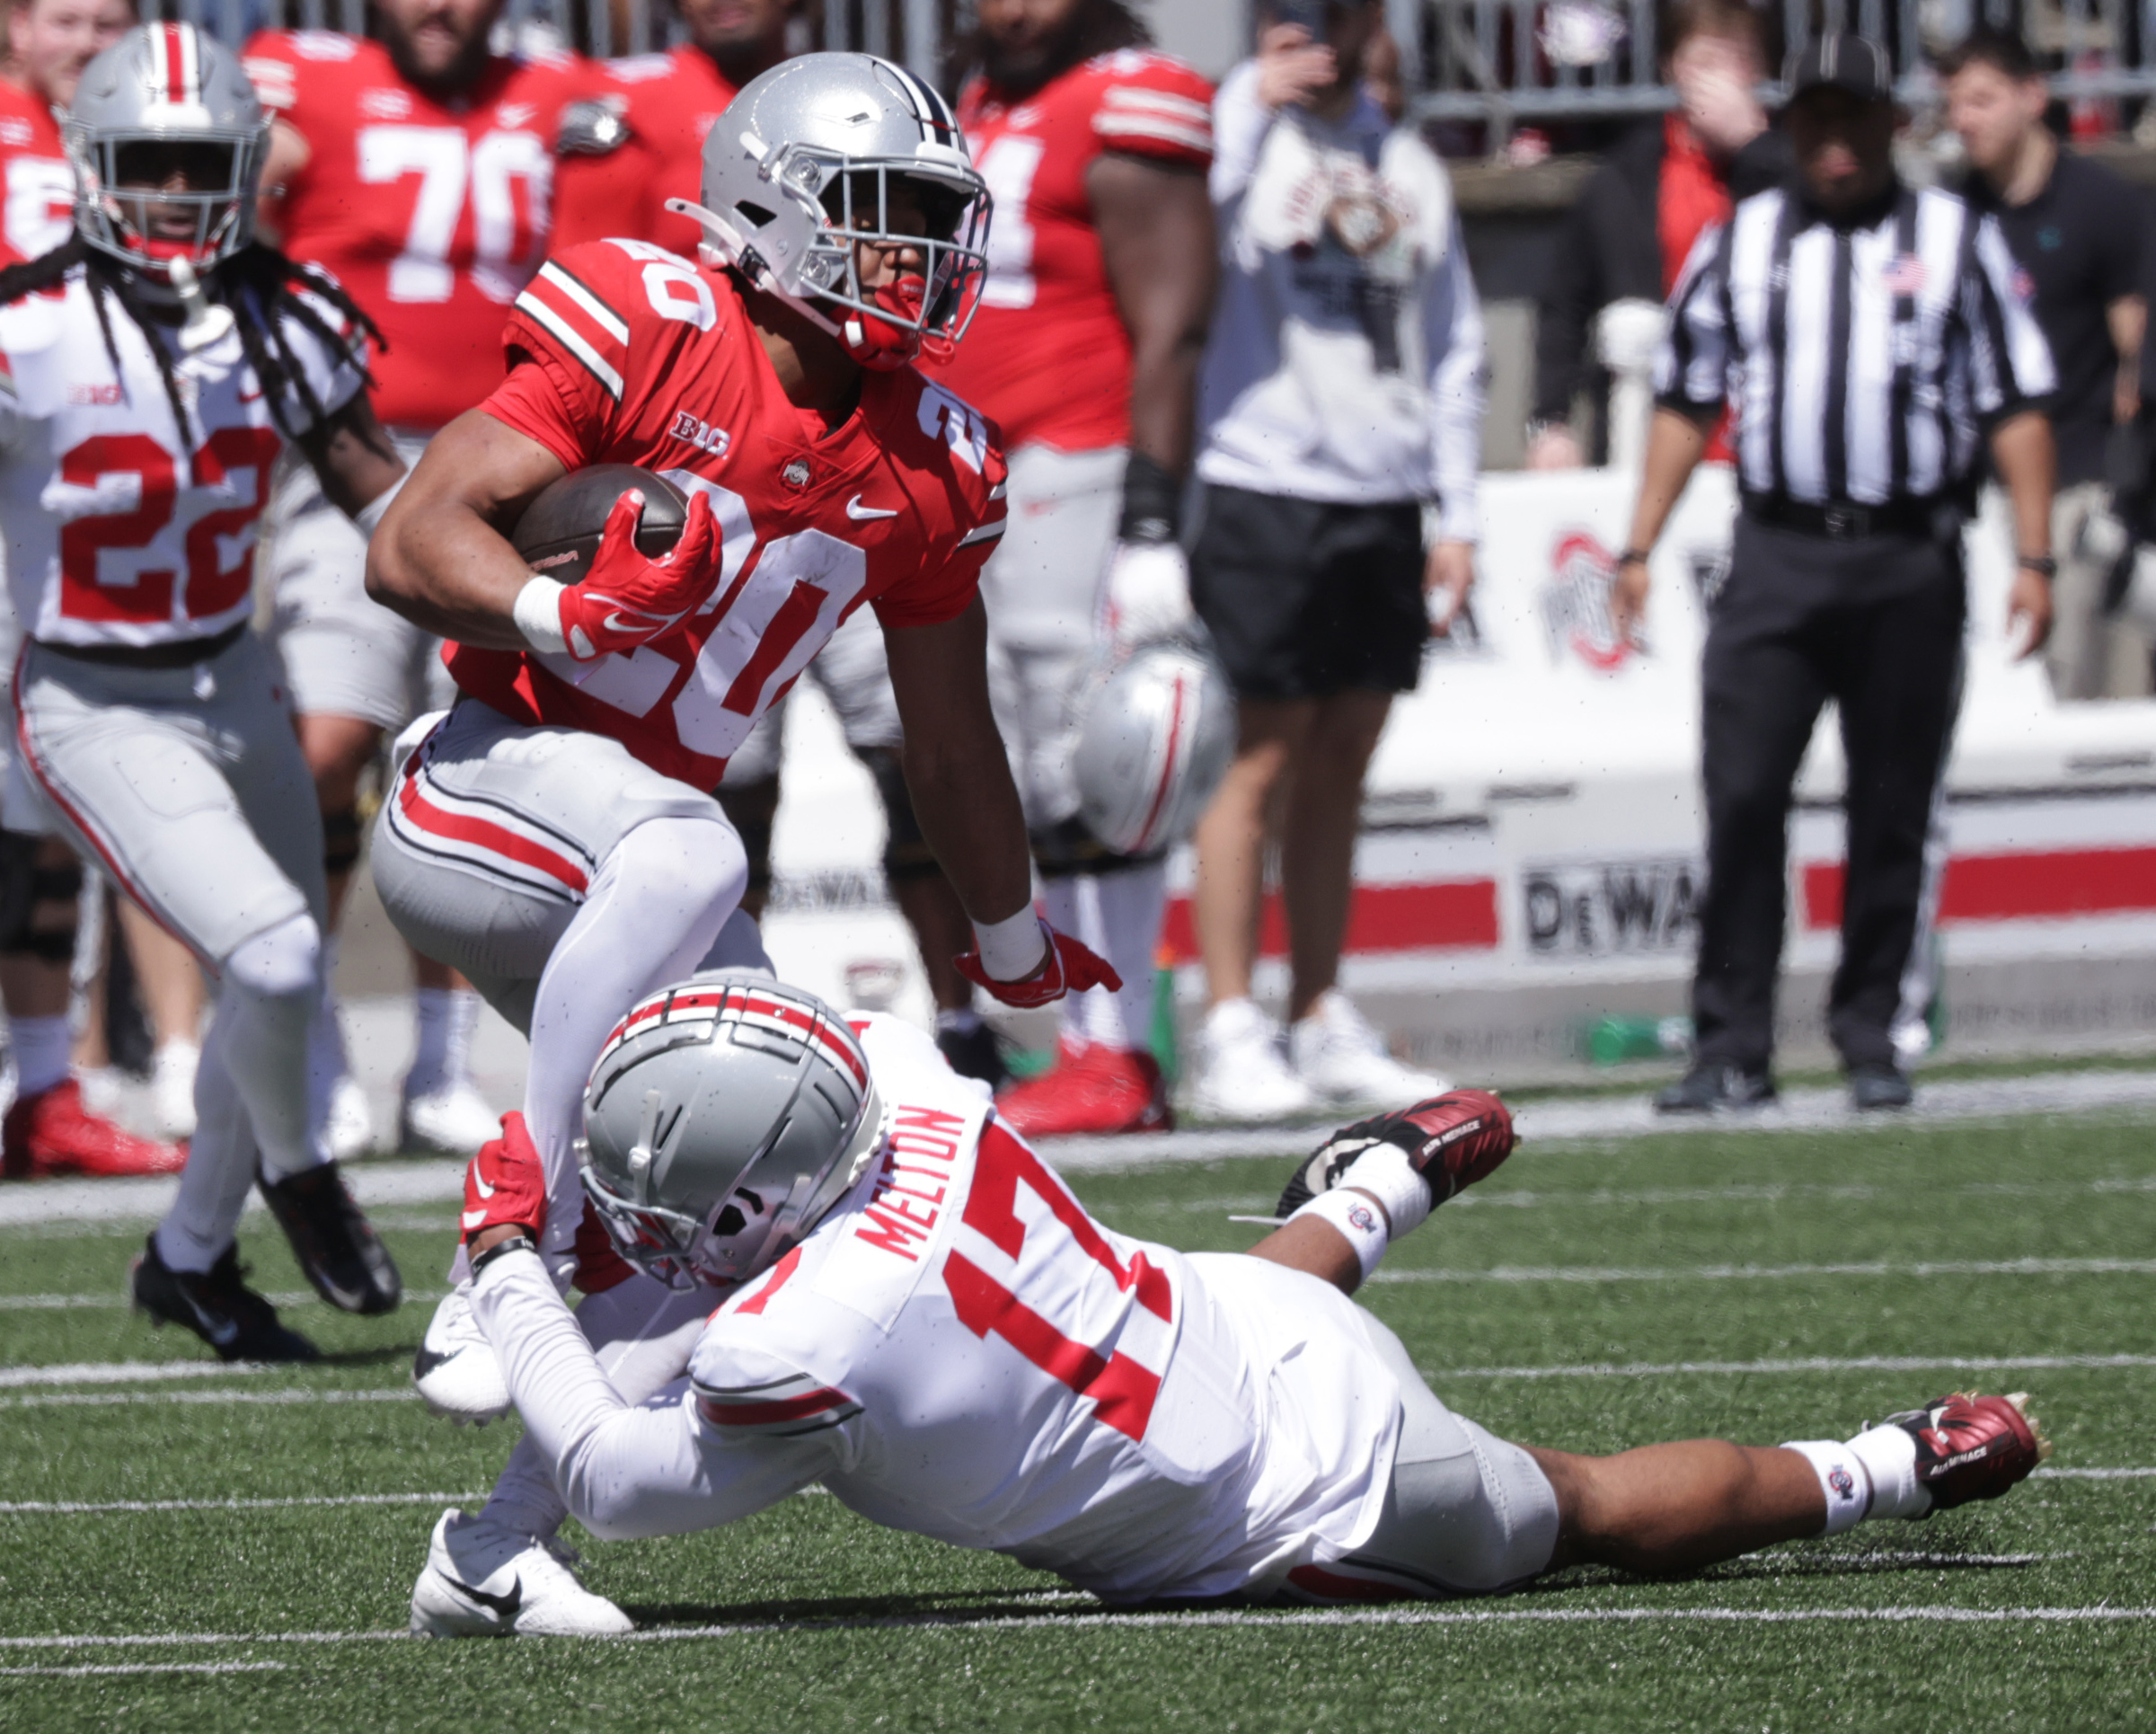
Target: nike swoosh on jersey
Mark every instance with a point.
(505, 1605)
(861, 513)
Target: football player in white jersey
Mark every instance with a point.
(916, 1312)
(151, 371)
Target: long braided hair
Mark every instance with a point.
(263, 288)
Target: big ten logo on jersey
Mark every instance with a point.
(480, 202)
(961, 425)
(1029, 1267)
(700, 434)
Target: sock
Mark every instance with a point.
(446, 1018)
(41, 1046)
(1384, 1171)
(961, 1021)
(1843, 1478)
(1359, 1222)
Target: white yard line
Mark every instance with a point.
(90, 1508)
(124, 1372)
(1504, 1273)
(99, 1668)
(1813, 1364)
(108, 1399)
(1058, 1619)
(111, 1302)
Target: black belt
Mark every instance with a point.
(1847, 520)
(182, 655)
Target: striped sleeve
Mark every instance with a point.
(2009, 362)
(1691, 368)
(1158, 109)
(562, 316)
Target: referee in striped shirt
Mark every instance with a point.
(1866, 337)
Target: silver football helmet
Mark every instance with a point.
(828, 150)
(725, 1116)
(1156, 733)
(166, 100)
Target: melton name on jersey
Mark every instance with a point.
(121, 526)
(621, 352)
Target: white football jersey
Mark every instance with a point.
(960, 1350)
(110, 539)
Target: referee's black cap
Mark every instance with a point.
(1844, 60)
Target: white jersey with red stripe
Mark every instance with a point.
(120, 527)
(959, 1349)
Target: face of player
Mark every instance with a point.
(169, 224)
(738, 33)
(437, 44)
(54, 40)
(1844, 146)
(1024, 43)
(1993, 114)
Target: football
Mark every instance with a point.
(560, 530)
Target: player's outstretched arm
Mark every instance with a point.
(354, 460)
(440, 557)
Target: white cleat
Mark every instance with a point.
(1344, 1062)
(456, 1370)
(451, 1121)
(172, 1090)
(486, 1580)
(1241, 1075)
(350, 1132)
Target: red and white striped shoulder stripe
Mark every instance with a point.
(583, 327)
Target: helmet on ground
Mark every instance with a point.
(166, 102)
(828, 151)
(725, 1116)
(1156, 733)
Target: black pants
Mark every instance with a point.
(1876, 625)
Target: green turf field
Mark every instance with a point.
(1758, 1286)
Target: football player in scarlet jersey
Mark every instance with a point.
(1096, 151)
(417, 170)
(555, 837)
(155, 366)
(936, 1331)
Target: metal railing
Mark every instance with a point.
(1502, 62)
(914, 31)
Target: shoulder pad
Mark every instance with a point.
(322, 45)
(30, 325)
(597, 125)
(640, 68)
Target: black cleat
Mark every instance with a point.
(1879, 1086)
(335, 1244)
(975, 1053)
(217, 1307)
(1706, 1088)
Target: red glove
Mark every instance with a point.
(505, 1183)
(628, 598)
(1068, 969)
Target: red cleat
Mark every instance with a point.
(1971, 1447)
(52, 1133)
(1096, 1089)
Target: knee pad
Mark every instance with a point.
(28, 890)
(906, 852)
(340, 840)
(1069, 848)
(752, 809)
(280, 964)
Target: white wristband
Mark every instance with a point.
(537, 614)
(1355, 1219)
(368, 518)
(1014, 947)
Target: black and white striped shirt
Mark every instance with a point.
(1862, 363)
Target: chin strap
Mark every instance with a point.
(878, 344)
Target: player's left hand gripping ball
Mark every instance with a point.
(505, 1183)
(1069, 968)
(627, 597)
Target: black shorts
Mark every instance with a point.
(1305, 599)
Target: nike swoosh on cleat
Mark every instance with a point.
(860, 513)
(426, 1361)
(505, 1605)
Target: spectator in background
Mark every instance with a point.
(1342, 391)
(2076, 230)
(1633, 228)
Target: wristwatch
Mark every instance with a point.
(1631, 555)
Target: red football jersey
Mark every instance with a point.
(673, 99)
(39, 186)
(623, 353)
(1048, 356)
(433, 218)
